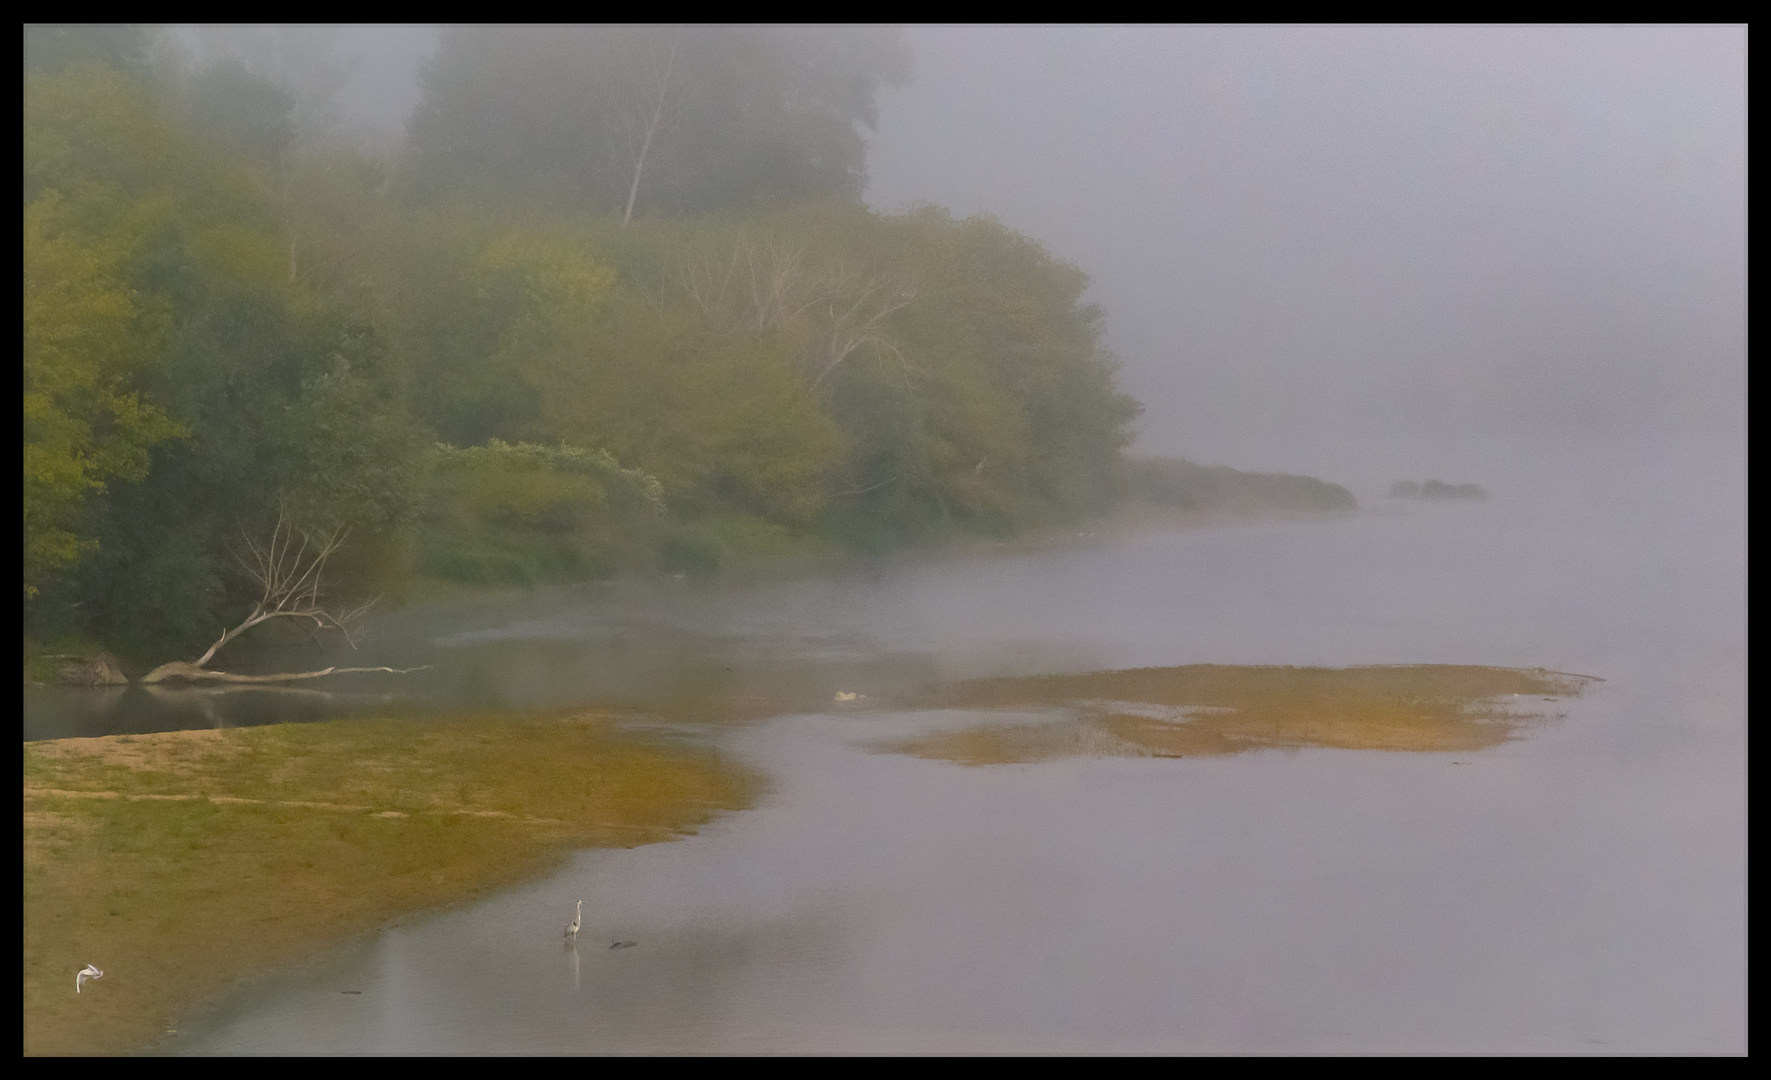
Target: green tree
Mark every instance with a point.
(86, 340)
(621, 268)
(721, 421)
(98, 168)
(160, 302)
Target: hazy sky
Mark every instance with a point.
(1358, 248)
(1354, 251)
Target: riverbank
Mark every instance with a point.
(182, 863)
(1168, 495)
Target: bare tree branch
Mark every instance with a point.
(178, 669)
(291, 572)
(639, 159)
(756, 290)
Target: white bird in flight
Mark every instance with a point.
(577, 919)
(87, 972)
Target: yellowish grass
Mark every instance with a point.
(182, 862)
(1209, 709)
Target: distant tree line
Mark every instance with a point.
(614, 304)
(1435, 489)
(1175, 484)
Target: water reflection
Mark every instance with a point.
(577, 661)
(1326, 901)
(1581, 888)
(56, 712)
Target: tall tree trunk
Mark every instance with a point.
(639, 161)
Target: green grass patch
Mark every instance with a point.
(181, 863)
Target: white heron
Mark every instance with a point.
(87, 972)
(577, 920)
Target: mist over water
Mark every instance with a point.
(1578, 890)
(1513, 257)
(1584, 569)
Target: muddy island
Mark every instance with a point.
(1435, 489)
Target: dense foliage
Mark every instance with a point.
(508, 353)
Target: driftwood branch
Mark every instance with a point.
(178, 669)
(291, 572)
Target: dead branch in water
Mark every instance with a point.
(178, 669)
(291, 572)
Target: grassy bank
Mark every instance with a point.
(180, 863)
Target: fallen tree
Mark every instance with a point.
(290, 571)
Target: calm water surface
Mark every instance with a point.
(1580, 890)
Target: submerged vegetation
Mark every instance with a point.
(1214, 710)
(186, 861)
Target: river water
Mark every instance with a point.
(1579, 890)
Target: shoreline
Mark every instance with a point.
(187, 864)
(446, 597)
(184, 864)
(796, 566)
